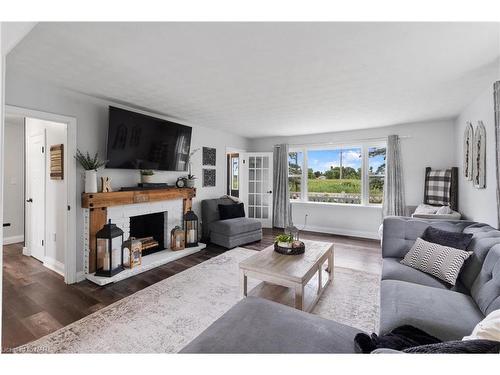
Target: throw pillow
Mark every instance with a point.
(458, 347)
(426, 209)
(487, 329)
(440, 261)
(231, 211)
(444, 210)
(457, 240)
(398, 339)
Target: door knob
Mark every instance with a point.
(270, 192)
(29, 200)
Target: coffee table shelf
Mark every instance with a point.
(294, 280)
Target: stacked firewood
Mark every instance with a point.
(148, 243)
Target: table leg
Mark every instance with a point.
(330, 265)
(243, 283)
(320, 278)
(299, 297)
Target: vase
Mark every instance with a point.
(146, 179)
(91, 181)
(190, 182)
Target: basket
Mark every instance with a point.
(295, 250)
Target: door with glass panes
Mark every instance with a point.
(257, 186)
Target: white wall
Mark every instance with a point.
(430, 144)
(13, 209)
(92, 122)
(478, 204)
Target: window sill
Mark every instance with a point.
(375, 206)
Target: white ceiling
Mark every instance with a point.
(267, 79)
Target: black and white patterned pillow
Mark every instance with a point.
(442, 262)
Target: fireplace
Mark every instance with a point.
(152, 230)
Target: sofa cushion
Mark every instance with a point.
(256, 325)
(400, 233)
(486, 288)
(231, 227)
(442, 313)
(484, 238)
(392, 269)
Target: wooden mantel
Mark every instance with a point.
(120, 198)
(97, 203)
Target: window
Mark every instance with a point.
(344, 174)
(234, 173)
(295, 162)
(376, 174)
(334, 175)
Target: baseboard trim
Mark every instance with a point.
(80, 276)
(343, 232)
(54, 265)
(13, 239)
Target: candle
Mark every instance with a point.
(105, 264)
(191, 236)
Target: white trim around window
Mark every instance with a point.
(365, 176)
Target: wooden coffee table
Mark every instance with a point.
(302, 276)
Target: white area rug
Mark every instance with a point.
(166, 316)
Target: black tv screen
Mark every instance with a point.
(137, 141)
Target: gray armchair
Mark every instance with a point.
(227, 233)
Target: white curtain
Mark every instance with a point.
(394, 192)
(282, 209)
(496, 96)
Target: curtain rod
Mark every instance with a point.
(347, 142)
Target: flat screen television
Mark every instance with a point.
(137, 141)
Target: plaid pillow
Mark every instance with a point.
(437, 187)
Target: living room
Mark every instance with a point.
(231, 187)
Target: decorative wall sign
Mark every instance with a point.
(57, 162)
(479, 169)
(468, 151)
(106, 184)
(209, 156)
(209, 177)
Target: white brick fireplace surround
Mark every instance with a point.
(120, 215)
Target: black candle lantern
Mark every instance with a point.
(109, 254)
(191, 229)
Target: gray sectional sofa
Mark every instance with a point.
(412, 297)
(227, 233)
(407, 296)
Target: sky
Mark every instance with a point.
(323, 160)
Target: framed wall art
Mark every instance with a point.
(209, 156)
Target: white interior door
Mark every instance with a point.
(35, 196)
(257, 186)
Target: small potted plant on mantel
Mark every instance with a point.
(91, 165)
(190, 177)
(146, 176)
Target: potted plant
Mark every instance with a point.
(146, 176)
(191, 178)
(284, 240)
(91, 165)
(190, 181)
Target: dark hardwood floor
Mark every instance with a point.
(36, 301)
